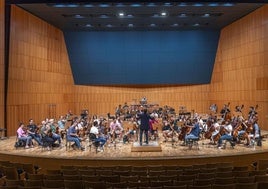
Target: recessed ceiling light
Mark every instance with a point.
(130, 25)
(152, 25)
(136, 5)
(198, 4)
(121, 14)
(163, 14)
(104, 5)
(206, 15)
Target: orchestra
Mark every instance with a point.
(165, 124)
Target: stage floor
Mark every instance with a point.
(120, 151)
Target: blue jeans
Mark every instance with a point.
(190, 137)
(37, 138)
(27, 140)
(225, 137)
(101, 140)
(76, 140)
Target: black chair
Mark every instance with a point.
(93, 142)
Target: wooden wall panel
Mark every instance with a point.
(2, 37)
(240, 71)
(40, 77)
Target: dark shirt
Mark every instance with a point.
(144, 121)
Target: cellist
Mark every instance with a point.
(227, 134)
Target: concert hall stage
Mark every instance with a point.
(167, 153)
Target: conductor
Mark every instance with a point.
(144, 125)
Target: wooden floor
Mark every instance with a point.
(171, 153)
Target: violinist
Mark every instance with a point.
(227, 135)
(194, 131)
(33, 132)
(23, 135)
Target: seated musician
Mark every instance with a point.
(166, 130)
(216, 131)
(99, 138)
(227, 135)
(194, 131)
(53, 127)
(61, 126)
(255, 133)
(33, 131)
(116, 129)
(152, 129)
(72, 136)
(46, 135)
(23, 136)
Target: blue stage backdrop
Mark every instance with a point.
(142, 57)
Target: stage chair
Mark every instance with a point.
(93, 142)
(193, 143)
(246, 185)
(249, 179)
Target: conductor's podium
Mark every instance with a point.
(153, 146)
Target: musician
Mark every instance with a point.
(255, 133)
(194, 132)
(99, 138)
(225, 110)
(115, 129)
(72, 136)
(33, 132)
(23, 136)
(252, 113)
(46, 134)
(227, 134)
(61, 126)
(53, 127)
(166, 130)
(144, 125)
